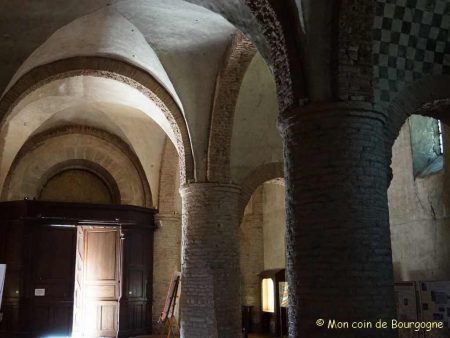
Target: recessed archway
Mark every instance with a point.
(79, 181)
(49, 153)
(262, 249)
(174, 126)
(417, 193)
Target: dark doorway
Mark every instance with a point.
(38, 242)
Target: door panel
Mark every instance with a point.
(79, 278)
(49, 293)
(100, 286)
(100, 249)
(136, 301)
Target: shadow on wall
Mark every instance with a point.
(419, 204)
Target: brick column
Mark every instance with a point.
(339, 257)
(210, 286)
(167, 260)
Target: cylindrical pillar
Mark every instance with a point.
(339, 259)
(210, 284)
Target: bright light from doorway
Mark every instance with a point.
(268, 295)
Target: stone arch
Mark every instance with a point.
(275, 28)
(282, 56)
(33, 164)
(428, 96)
(228, 84)
(84, 165)
(264, 173)
(113, 69)
(252, 233)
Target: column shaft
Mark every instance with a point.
(210, 287)
(339, 257)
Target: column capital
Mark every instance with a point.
(202, 186)
(167, 216)
(336, 109)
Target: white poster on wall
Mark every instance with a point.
(2, 281)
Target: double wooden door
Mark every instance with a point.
(65, 278)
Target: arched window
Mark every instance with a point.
(427, 145)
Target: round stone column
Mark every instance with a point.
(339, 259)
(210, 284)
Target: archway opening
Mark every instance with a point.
(263, 261)
(419, 221)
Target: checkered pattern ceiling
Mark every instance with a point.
(411, 39)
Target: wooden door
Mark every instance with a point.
(100, 291)
(136, 301)
(77, 327)
(49, 292)
(11, 253)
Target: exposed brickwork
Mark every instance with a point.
(210, 301)
(113, 69)
(168, 186)
(38, 139)
(228, 85)
(339, 257)
(354, 69)
(252, 255)
(167, 240)
(167, 260)
(420, 97)
(44, 154)
(273, 33)
(257, 177)
(427, 96)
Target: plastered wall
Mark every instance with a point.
(76, 186)
(419, 216)
(274, 226)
